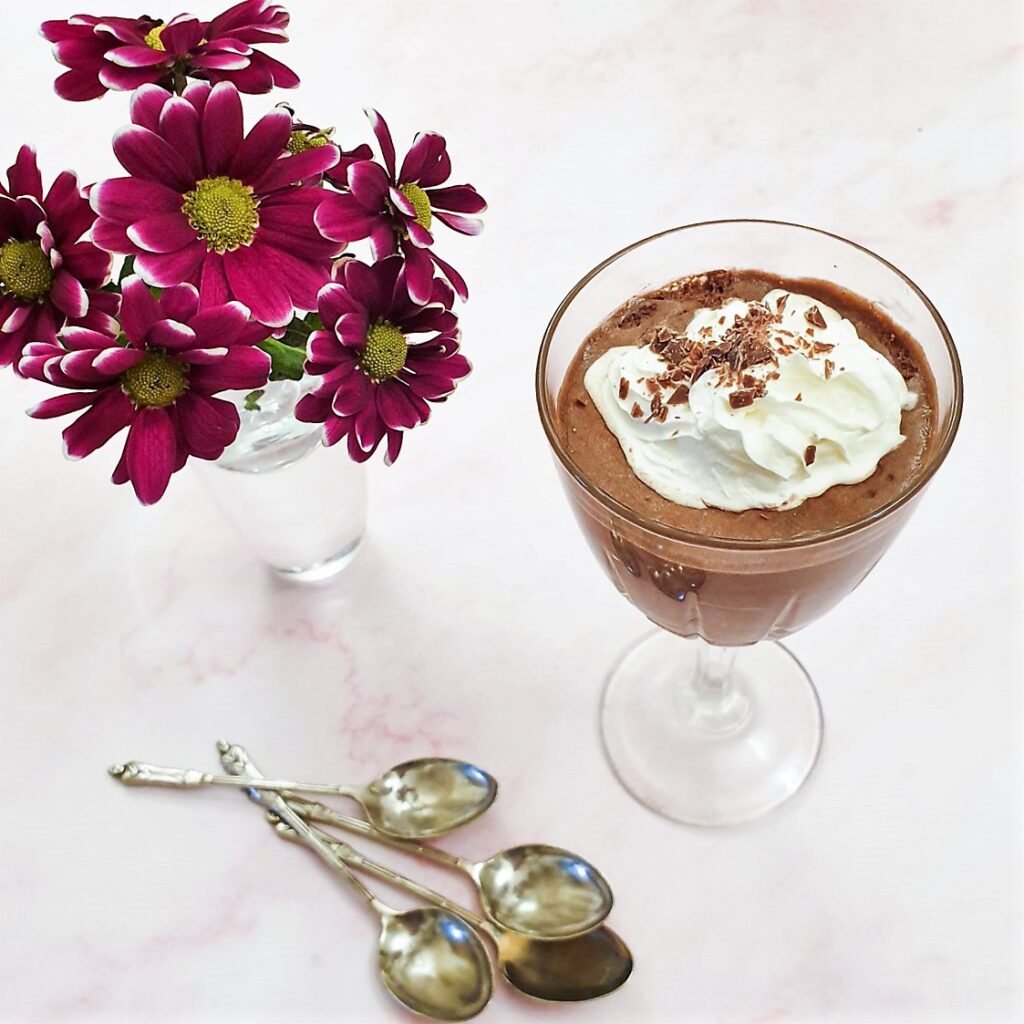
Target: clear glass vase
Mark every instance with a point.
(299, 507)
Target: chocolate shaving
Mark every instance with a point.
(813, 316)
(809, 454)
(623, 388)
(741, 399)
(799, 397)
(829, 367)
(656, 409)
(637, 314)
(780, 302)
(680, 395)
(636, 412)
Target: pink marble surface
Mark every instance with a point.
(476, 623)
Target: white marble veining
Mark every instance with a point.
(890, 889)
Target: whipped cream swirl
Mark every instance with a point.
(758, 405)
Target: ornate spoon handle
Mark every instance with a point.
(324, 815)
(141, 773)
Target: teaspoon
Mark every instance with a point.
(537, 890)
(556, 970)
(429, 958)
(414, 800)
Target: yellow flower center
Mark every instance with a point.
(385, 351)
(152, 39)
(420, 203)
(300, 142)
(25, 271)
(156, 381)
(223, 213)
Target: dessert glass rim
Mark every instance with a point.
(548, 409)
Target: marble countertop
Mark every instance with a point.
(476, 622)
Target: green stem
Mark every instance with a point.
(180, 78)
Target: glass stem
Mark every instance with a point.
(713, 698)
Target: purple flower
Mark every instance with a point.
(124, 53)
(49, 276)
(396, 210)
(208, 206)
(377, 381)
(160, 385)
(307, 136)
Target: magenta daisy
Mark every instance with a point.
(396, 210)
(376, 380)
(209, 206)
(307, 136)
(49, 276)
(160, 385)
(124, 53)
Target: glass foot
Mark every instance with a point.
(707, 735)
(323, 570)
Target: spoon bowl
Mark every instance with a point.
(543, 891)
(427, 797)
(565, 970)
(434, 963)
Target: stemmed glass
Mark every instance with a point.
(709, 720)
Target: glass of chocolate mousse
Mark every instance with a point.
(744, 414)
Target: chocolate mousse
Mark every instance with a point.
(686, 406)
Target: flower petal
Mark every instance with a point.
(208, 425)
(138, 309)
(144, 154)
(163, 232)
(457, 198)
(343, 219)
(242, 368)
(253, 281)
(61, 405)
(298, 167)
(165, 269)
(110, 413)
(222, 128)
(394, 407)
(261, 147)
(146, 104)
(136, 56)
(68, 295)
(427, 161)
(151, 453)
(383, 133)
(464, 225)
(171, 335)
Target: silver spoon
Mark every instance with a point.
(559, 970)
(536, 890)
(555, 970)
(414, 800)
(430, 959)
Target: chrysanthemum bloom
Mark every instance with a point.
(307, 136)
(124, 53)
(48, 276)
(160, 385)
(206, 206)
(396, 210)
(377, 381)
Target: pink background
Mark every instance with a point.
(476, 623)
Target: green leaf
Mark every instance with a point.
(252, 400)
(127, 268)
(286, 360)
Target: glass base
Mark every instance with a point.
(320, 571)
(713, 752)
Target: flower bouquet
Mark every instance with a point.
(233, 263)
